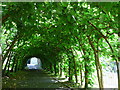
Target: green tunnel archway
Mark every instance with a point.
(67, 37)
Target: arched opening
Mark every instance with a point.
(33, 63)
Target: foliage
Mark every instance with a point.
(55, 32)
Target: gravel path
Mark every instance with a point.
(37, 79)
(33, 79)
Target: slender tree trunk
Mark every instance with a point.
(12, 69)
(70, 65)
(86, 68)
(57, 68)
(55, 71)
(0, 53)
(97, 63)
(8, 67)
(4, 18)
(51, 70)
(11, 46)
(66, 71)
(70, 71)
(86, 75)
(0, 67)
(118, 63)
(6, 64)
(60, 69)
(81, 75)
(70, 68)
(75, 69)
(9, 63)
(114, 57)
(16, 65)
(119, 76)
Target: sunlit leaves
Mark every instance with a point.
(52, 29)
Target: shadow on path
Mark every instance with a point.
(36, 79)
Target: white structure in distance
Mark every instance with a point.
(34, 63)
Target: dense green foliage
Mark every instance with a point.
(68, 37)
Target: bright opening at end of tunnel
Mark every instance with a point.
(34, 63)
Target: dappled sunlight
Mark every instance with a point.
(63, 44)
(32, 79)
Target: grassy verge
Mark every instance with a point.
(9, 81)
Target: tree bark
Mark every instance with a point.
(81, 75)
(86, 69)
(119, 76)
(11, 46)
(97, 63)
(55, 70)
(51, 68)
(60, 69)
(70, 71)
(12, 69)
(117, 61)
(9, 63)
(70, 68)
(16, 66)
(70, 64)
(0, 67)
(86, 66)
(75, 69)
(4, 18)
(8, 67)
(6, 64)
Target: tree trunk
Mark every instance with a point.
(51, 69)
(97, 63)
(55, 71)
(119, 76)
(86, 76)
(8, 68)
(57, 68)
(118, 63)
(0, 67)
(70, 71)
(6, 64)
(12, 69)
(81, 75)
(86, 68)
(11, 46)
(60, 69)
(75, 69)
(9, 63)
(16, 65)
(70, 66)
(118, 69)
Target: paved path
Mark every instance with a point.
(36, 79)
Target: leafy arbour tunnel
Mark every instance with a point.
(29, 62)
(46, 60)
(76, 40)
